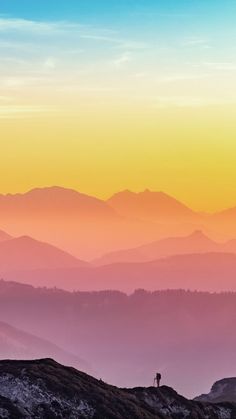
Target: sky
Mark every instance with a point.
(107, 95)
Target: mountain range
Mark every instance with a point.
(88, 227)
(82, 225)
(195, 243)
(214, 272)
(191, 262)
(45, 389)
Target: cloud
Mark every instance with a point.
(224, 66)
(180, 77)
(23, 111)
(71, 32)
(49, 64)
(196, 42)
(8, 25)
(190, 102)
(122, 59)
(5, 98)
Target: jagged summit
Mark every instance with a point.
(149, 205)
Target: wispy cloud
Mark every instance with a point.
(123, 59)
(180, 78)
(44, 28)
(6, 98)
(196, 42)
(8, 25)
(190, 102)
(40, 59)
(24, 111)
(224, 66)
(49, 64)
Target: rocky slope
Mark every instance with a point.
(222, 391)
(45, 389)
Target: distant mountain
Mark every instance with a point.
(213, 272)
(150, 205)
(230, 246)
(83, 225)
(222, 391)
(4, 236)
(227, 214)
(16, 344)
(88, 227)
(55, 200)
(26, 253)
(224, 222)
(196, 242)
(45, 389)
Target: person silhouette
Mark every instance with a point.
(157, 379)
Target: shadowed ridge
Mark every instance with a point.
(44, 388)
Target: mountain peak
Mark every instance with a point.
(199, 234)
(148, 205)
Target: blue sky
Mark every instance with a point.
(113, 10)
(153, 51)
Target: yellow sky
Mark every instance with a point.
(188, 152)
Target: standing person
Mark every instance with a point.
(157, 379)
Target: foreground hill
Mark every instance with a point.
(27, 253)
(45, 389)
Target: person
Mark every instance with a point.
(157, 379)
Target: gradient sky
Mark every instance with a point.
(108, 95)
